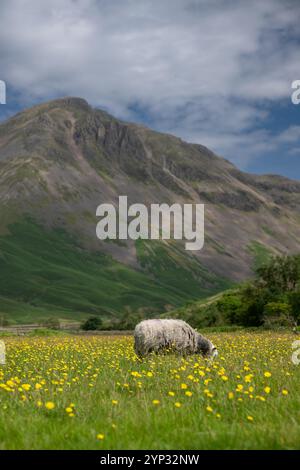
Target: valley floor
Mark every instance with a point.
(91, 392)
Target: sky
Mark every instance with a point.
(214, 72)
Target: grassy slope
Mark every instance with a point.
(261, 253)
(173, 267)
(46, 273)
(198, 308)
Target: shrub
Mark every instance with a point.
(92, 324)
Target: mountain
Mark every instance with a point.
(61, 159)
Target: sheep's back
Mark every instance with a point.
(156, 334)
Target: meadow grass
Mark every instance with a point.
(78, 392)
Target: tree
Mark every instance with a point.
(281, 274)
(92, 324)
(229, 306)
(294, 301)
(278, 313)
(254, 297)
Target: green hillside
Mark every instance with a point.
(60, 159)
(46, 273)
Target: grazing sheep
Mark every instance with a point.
(176, 335)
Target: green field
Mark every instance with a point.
(47, 273)
(76, 392)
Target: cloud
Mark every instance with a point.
(206, 70)
(291, 134)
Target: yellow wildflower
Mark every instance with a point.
(49, 405)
